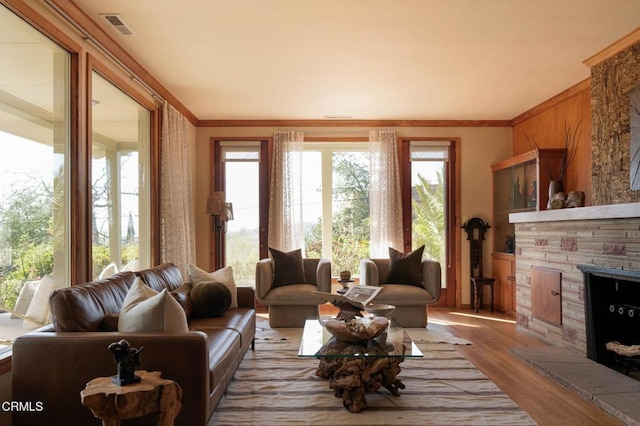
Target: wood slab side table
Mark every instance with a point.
(153, 394)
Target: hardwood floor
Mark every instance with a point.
(492, 336)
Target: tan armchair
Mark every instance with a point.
(410, 300)
(290, 305)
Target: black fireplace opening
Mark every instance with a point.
(612, 314)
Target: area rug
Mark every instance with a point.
(273, 386)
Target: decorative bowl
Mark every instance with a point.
(380, 309)
(357, 330)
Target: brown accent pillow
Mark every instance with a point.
(110, 322)
(183, 295)
(287, 267)
(405, 268)
(210, 299)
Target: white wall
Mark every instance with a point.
(480, 147)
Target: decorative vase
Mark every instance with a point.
(555, 186)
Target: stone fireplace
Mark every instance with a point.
(607, 237)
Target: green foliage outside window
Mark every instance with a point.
(350, 224)
(26, 233)
(429, 217)
(242, 252)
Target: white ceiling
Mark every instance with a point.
(366, 59)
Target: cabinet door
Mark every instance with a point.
(504, 273)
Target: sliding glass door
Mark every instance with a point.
(120, 142)
(34, 174)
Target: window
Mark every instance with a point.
(429, 200)
(240, 181)
(120, 142)
(336, 203)
(34, 175)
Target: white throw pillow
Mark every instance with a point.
(109, 270)
(39, 309)
(144, 310)
(222, 275)
(25, 297)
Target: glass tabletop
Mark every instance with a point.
(317, 342)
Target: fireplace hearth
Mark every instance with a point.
(612, 313)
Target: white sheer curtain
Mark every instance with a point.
(177, 221)
(385, 194)
(285, 199)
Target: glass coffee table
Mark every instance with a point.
(353, 369)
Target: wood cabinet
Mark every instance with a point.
(520, 184)
(504, 266)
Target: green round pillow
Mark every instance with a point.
(210, 299)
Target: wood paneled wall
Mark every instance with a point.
(546, 125)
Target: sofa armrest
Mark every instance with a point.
(369, 274)
(246, 297)
(431, 278)
(53, 368)
(264, 278)
(323, 276)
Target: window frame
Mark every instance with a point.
(95, 65)
(38, 23)
(451, 294)
(217, 249)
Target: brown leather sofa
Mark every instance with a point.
(52, 365)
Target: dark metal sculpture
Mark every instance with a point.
(126, 359)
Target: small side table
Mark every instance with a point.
(153, 394)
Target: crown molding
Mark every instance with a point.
(354, 123)
(614, 48)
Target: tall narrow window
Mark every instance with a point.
(240, 164)
(120, 144)
(429, 207)
(34, 175)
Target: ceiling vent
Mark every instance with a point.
(118, 23)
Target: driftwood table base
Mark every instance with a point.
(351, 378)
(152, 394)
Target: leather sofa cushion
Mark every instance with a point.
(160, 277)
(241, 320)
(224, 347)
(83, 307)
(183, 295)
(110, 322)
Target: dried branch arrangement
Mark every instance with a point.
(571, 140)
